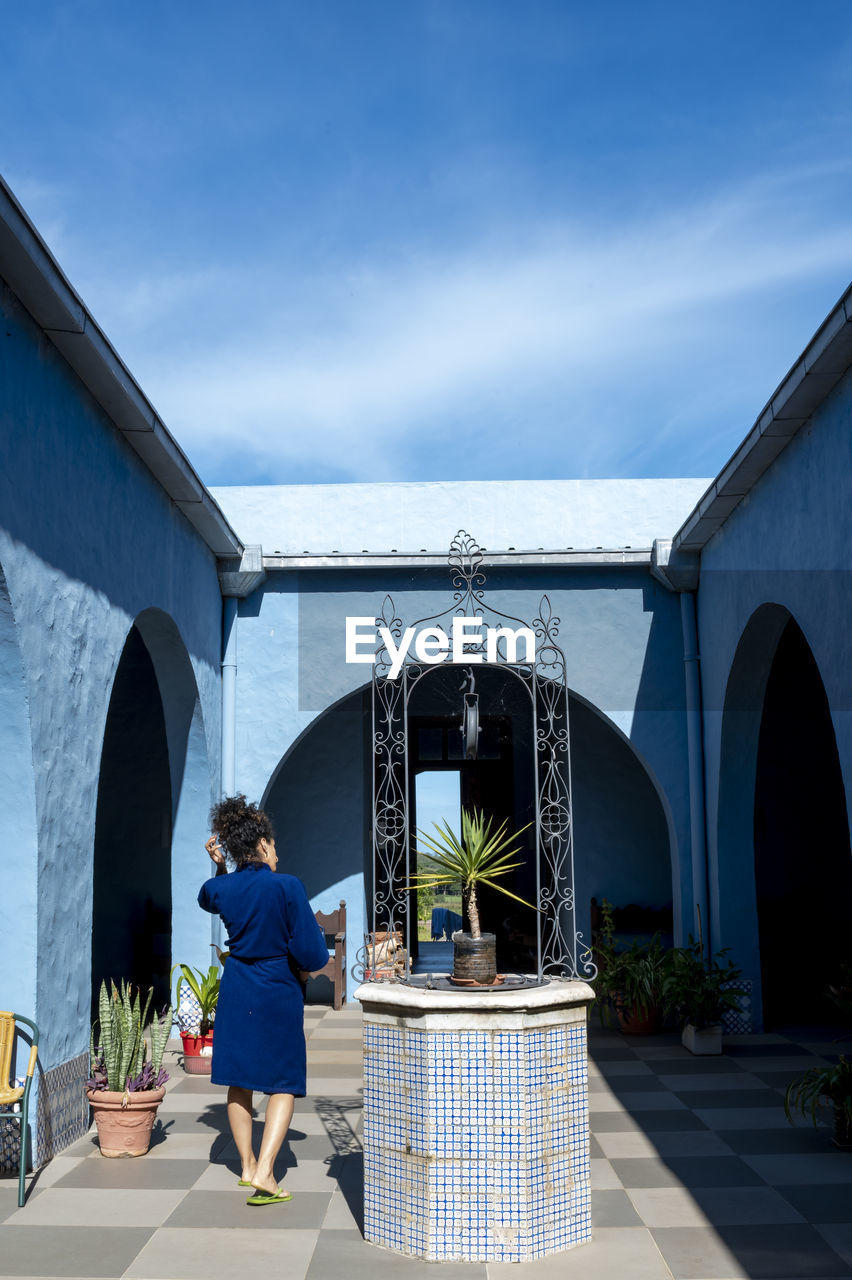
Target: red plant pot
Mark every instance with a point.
(197, 1054)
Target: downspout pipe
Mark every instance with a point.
(695, 755)
(228, 780)
(230, 610)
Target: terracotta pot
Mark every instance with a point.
(475, 959)
(640, 1021)
(197, 1053)
(125, 1120)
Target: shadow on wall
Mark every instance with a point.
(621, 837)
(318, 801)
(132, 902)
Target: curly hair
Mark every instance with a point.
(239, 826)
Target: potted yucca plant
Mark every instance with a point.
(127, 1083)
(196, 1006)
(699, 993)
(479, 857)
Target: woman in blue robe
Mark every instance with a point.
(274, 942)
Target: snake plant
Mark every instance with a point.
(119, 1052)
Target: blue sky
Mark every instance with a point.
(373, 240)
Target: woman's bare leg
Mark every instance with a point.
(239, 1118)
(279, 1113)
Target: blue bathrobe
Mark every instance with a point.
(259, 1036)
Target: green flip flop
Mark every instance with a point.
(245, 1182)
(269, 1197)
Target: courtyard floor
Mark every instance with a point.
(696, 1175)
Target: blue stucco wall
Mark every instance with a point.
(784, 551)
(89, 542)
(621, 634)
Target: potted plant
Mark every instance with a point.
(480, 857)
(832, 1083)
(698, 994)
(127, 1083)
(196, 1006)
(630, 983)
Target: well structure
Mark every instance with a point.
(476, 1130)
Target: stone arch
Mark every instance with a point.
(318, 798)
(617, 791)
(320, 795)
(781, 797)
(18, 820)
(153, 796)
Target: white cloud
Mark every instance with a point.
(561, 328)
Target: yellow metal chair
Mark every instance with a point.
(11, 1094)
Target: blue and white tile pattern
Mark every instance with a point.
(476, 1143)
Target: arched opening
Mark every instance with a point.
(319, 802)
(802, 864)
(320, 799)
(623, 833)
(132, 895)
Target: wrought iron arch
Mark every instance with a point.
(561, 950)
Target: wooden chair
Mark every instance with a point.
(333, 926)
(12, 1095)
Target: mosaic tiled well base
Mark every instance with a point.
(476, 1131)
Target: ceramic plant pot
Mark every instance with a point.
(125, 1120)
(475, 959)
(701, 1042)
(640, 1020)
(197, 1053)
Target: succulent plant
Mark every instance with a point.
(118, 1049)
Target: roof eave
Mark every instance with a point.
(34, 276)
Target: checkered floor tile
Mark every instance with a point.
(696, 1175)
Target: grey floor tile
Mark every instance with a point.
(794, 1249)
(196, 1253)
(709, 1082)
(765, 1050)
(152, 1175)
(199, 1084)
(650, 1145)
(632, 1084)
(823, 1204)
(659, 1100)
(763, 1142)
(614, 1253)
(610, 1055)
(321, 1043)
(347, 1253)
(633, 1067)
(678, 1120)
(95, 1207)
(698, 1171)
(838, 1236)
(696, 1065)
(595, 1152)
(70, 1251)
(707, 1099)
(613, 1209)
(833, 1167)
(743, 1117)
(8, 1199)
(744, 1206)
(228, 1208)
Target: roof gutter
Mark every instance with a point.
(34, 276)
